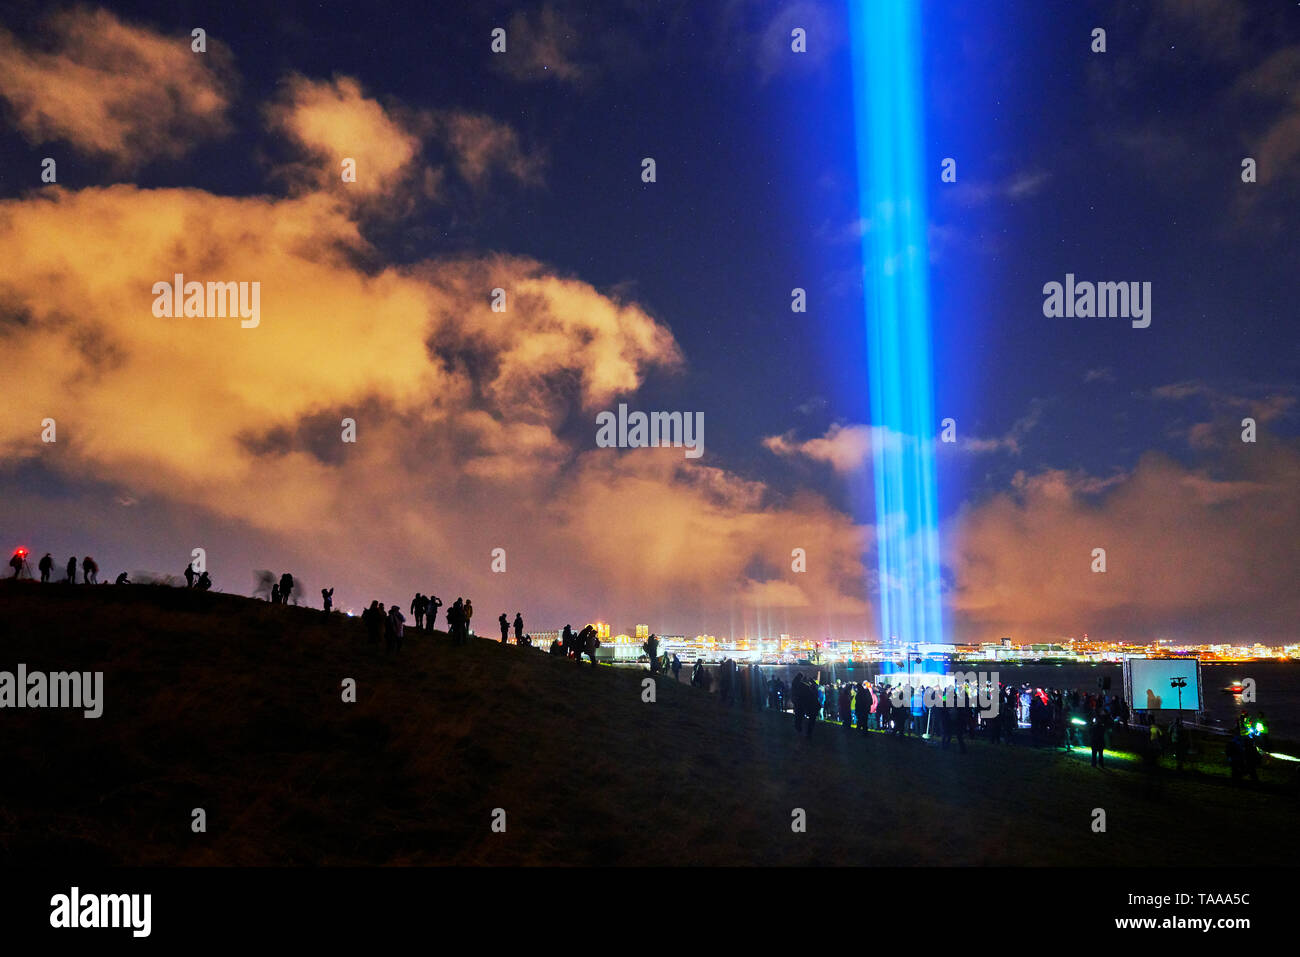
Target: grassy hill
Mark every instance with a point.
(234, 706)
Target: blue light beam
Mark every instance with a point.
(888, 118)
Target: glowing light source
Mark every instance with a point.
(891, 199)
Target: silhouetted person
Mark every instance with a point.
(286, 588)
(419, 605)
(810, 687)
(469, 618)
(519, 626)
(456, 622)
(434, 604)
(651, 648)
(505, 627)
(1236, 751)
(72, 570)
(122, 580)
(189, 575)
(677, 668)
(327, 599)
(588, 643)
(395, 629)
(863, 709)
(46, 567)
(373, 619)
(204, 582)
(1252, 757)
(798, 694)
(89, 571)
(1097, 737)
(275, 594)
(16, 563)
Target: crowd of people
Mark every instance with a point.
(89, 571)
(1064, 719)
(1061, 718)
(571, 645)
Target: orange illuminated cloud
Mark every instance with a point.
(114, 89)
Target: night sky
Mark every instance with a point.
(522, 170)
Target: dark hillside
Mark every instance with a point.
(234, 705)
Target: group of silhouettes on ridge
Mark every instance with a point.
(89, 571)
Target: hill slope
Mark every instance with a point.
(234, 706)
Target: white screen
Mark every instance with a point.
(1151, 689)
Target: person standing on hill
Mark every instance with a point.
(204, 582)
(373, 619)
(588, 642)
(397, 623)
(677, 668)
(46, 567)
(89, 571)
(189, 575)
(469, 618)
(505, 627)
(1097, 737)
(327, 599)
(286, 588)
(275, 593)
(72, 571)
(651, 648)
(519, 627)
(419, 605)
(434, 604)
(390, 629)
(797, 695)
(1178, 738)
(456, 621)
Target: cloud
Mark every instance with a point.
(542, 47)
(845, 448)
(1204, 553)
(755, 38)
(328, 121)
(848, 448)
(116, 90)
(465, 437)
(331, 121)
(1023, 184)
(480, 146)
(1226, 411)
(1275, 82)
